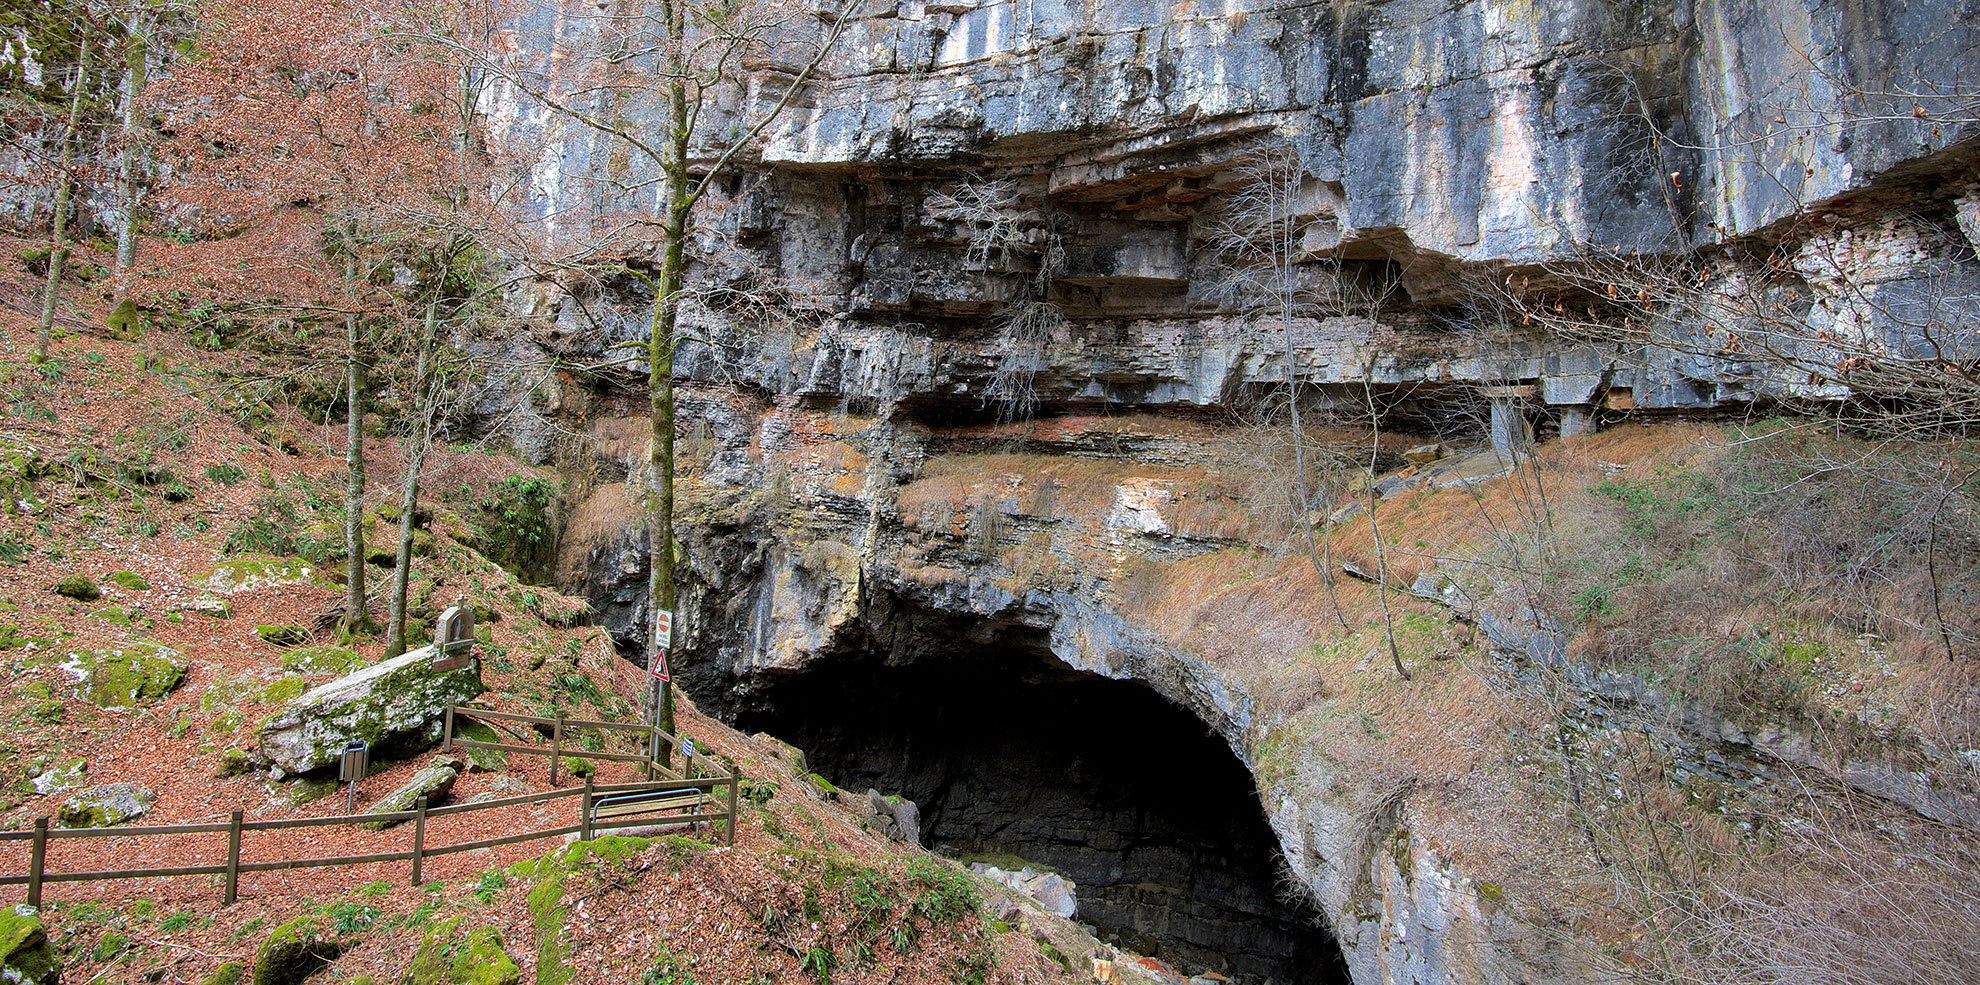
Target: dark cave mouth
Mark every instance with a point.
(1008, 752)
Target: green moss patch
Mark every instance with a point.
(546, 897)
(129, 579)
(321, 660)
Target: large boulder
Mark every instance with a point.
(106, 806)
(401, 702)
(26, 956)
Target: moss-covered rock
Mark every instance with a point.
(294, 951)
(321, 660)
(106, 806)
(26, 956)
(488, 760)
(449, 956)
(434, 783)
(252, 574)
(61, 777)
(80, 587)
(402, 701)
(129, 579)
(125, 323)
(229, 973)
(283, 635)
(129, 676)
(232, 762)
(579, 767)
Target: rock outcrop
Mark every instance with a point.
(1461, 160)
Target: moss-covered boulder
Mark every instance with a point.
(294, 951)
(129, 676)
(106, 806)
(321, 660)
(253, 574)
(78, 586)
(128, 579)
(451, 954)
(401, 702)
(26, 956)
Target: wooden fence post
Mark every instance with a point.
(419, 840)
(38, 858)
(233, 857)
(733, 778)
(447, 742)
(584, 817)
(556, 747)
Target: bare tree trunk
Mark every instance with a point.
(1375, 530)
(136, 53)
(58, 243)
(356, 617)
(395, 620)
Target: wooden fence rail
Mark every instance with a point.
(419, 851)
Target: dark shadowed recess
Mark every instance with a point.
(1009, 752)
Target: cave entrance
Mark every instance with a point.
(1009, 752)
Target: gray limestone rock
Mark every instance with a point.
(401, 701)
(433, 782)
(105, 806)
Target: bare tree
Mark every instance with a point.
(1260, 236)
(697, 64)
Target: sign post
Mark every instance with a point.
(357, 758)
(656, 667)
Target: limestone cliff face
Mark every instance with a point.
(1450, 148)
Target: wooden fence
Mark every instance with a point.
(418, 851)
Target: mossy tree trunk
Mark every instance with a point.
(58, 242)
(660, 363)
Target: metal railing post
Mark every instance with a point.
(584, 818)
